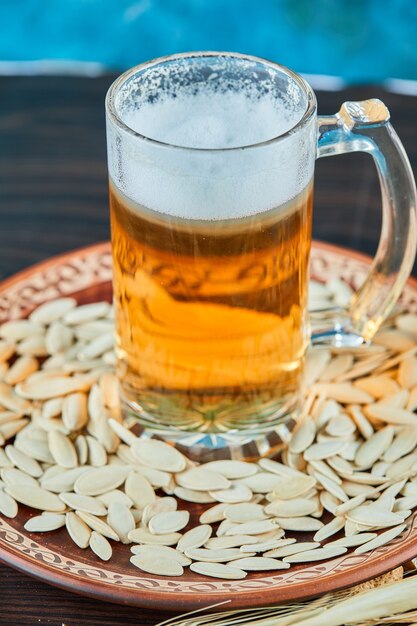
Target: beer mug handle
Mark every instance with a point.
(365, 127)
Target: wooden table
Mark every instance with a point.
(53, 197)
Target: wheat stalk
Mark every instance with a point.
(394, 603)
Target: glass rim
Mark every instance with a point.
(114, 117)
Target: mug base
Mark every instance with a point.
(203, 446)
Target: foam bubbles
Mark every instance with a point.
(217, 111)
(212, 120)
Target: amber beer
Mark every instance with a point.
(211, 315)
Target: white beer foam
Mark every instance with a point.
(212, 121)
(212, 185)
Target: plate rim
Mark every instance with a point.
(180, 601)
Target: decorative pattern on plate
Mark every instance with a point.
(86, 274)
(32, 550)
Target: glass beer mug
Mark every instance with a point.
(211, 163)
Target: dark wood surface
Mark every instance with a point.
(53, 198)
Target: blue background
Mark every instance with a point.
(360, 40)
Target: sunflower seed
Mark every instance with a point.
(218, 570)
(23, 462)
(159, 455)
(381, 539)
(36, 497)
(319, 554)
(78, 530)
(99, 480)
(45, 523)
(8, 505)
(141, 535)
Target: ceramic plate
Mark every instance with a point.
(53, 558)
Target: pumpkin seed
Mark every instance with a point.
(217, 570)
(101, 479)
(195, 538)
(78, 530)
(156, 564)
(62, 450)
(159, 455)
(45, 523)
(319, 554)
(165, 523)
(23, 462)
(259, 563)
(381, 539)
(86, 504)
(36, 497)
(141, 535)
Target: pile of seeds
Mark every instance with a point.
(352, 460)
